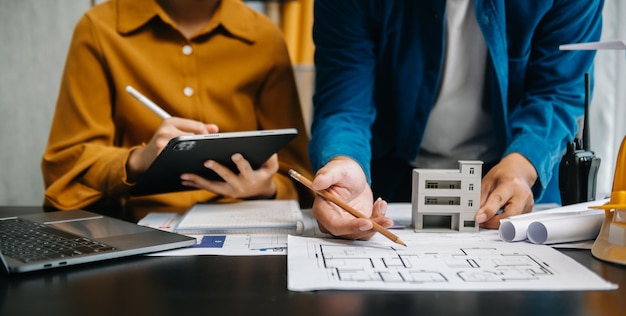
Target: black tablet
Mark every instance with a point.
(187, 154)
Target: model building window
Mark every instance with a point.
(470, 203)
(471, 171)
(471, 187)
(432, 185)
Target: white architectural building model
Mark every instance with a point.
(446, 200)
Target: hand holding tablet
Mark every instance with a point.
(187, 154)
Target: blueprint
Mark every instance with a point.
(433, 262)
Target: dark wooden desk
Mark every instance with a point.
(214, 285)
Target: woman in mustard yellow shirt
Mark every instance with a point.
(213, 65)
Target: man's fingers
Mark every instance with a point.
(340, 223)
(495, 201)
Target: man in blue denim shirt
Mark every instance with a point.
(404, 83)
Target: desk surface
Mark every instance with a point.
(217, 285)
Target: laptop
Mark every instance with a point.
(57, 239)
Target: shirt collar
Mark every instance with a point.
(237, 22)
(132, 14)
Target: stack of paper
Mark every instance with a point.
(262, 216)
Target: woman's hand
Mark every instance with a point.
(141, 158)
(249, 183)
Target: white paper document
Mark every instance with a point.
(432, 263)
(233, 245)
(230, 244)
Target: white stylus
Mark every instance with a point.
(147, 102)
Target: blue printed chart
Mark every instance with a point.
(234, 245)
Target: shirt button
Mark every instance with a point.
(187, 50)
(188, 91)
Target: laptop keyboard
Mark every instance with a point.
(29, 242)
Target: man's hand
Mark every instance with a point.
(507, 186)
(344, 178)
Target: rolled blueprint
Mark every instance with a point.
(516, 228)
(584, 226)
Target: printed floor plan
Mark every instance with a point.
(432, 263)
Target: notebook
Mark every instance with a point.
(259, 216)
(57, 239)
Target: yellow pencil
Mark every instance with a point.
(328, 196)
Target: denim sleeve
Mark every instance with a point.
(343, 101)
(550, 93)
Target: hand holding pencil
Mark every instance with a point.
(335, 200)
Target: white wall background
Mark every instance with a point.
(607, 119)
(34, 37)
(35, 34)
